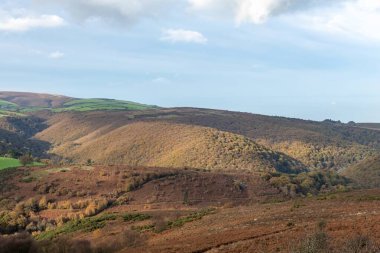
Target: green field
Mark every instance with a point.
(7, 105)
(4, 113)
(82, 105)
(76, 105)
(6, 163)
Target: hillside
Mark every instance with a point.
(125, 177)
(136, 209)
(13, 100)
(22, 102)
(16, 136)
(365, 173)
(78, 127)
(372, 126)
(159, 144)
(319, 145)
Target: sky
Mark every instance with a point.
(309, 59)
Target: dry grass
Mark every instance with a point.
(164, 145)
(365, 173)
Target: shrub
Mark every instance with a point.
(360, 244)
(52, 205)
(96, 206)
(139, 180)
(43, 203)
(191, 217)
(26, 159)
(66, 204)
(88, 224)
(136, 217)
(316, 243)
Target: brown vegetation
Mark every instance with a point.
(319, 145)
(164, 145)
(26, 99)
(366, 173)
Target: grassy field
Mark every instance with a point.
(8, 163)
(13, 163)
(101, 104)
(4, 113)
(79, 105)
(7, 105)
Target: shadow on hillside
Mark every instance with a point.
(16, 137)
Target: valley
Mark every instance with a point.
(105, 175)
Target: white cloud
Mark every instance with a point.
(354, 18)
(357, 19)
(161, 80)
(256, 11)
(180, 35)
(124, 11)
(14, 22)
(56, 55)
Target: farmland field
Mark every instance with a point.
(83, 105)
(6, 163)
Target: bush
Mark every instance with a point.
(360, 244)
(136, 217)
(96, 207)
(43, 203)
(86, 225)
(316, 243)
(26, 159)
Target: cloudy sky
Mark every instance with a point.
(311, 59)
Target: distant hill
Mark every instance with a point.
(365, 173)
(372, 126)
(159, 144)
(14, 100)
(319, 145)
(113, 131)
(12, 103)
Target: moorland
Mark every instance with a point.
(103, 175)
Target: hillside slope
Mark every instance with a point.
(365, 173)
(16, 136)
(160, 144)
(319, 145)
(25, 99)
(23, 102)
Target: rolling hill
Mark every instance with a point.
(119, 132)
(125, 177)
(161, 144)
(319, 145)
(22, 102)
(14, 100)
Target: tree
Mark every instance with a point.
(26, 159)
